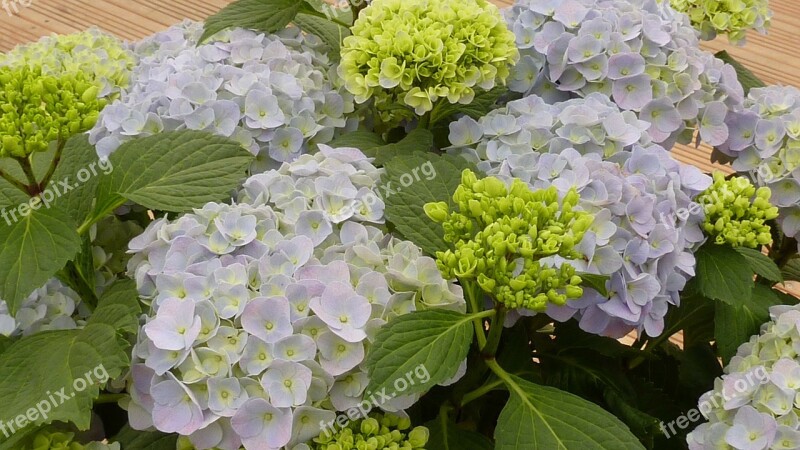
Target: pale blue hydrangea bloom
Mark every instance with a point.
(764, 144)
(645, 229)
(275, 94)
(261, 312)
(641, 53)
(53, 306)
(752, 406)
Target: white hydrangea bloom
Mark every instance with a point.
(754, 404)
(261, 312)
(51, 307)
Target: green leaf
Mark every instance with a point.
(81, 170)
(748, 79)
(131, 439)
(483, 103)
(791, 270)
(268, 16)
(734, 324)
(419, 140)
(331, 33)
(172, 171)
(446, 435)
(596, 282)
(32, 250)
(405, 202)
(51, 362)
(546, 418)
(723, 274)
(436, 341)
(119, 307)
(761, 264)
(362, 140)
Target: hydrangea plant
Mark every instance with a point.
(752, 406)
(764, 144)
(275, 94)
(262, 311)
(641, 54)
(415, 53)
(731, 18)
(638, 236)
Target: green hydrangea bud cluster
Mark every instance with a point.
(415, 52)
(730, 17)
(379, 432)
(500, 235)
(36, 108)
(737, 212)
(102, 58)
(46, 440)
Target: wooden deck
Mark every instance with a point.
(775, 58)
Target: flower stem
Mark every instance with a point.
(495, 332)
(52, 169)
(16, 183)
(25, 163)
(481, 391)
(470, 289)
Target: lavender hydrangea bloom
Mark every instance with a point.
(262, 311)
(752, 406)
(51, 307)
(764, 144)
(641, 53)
(644, 234)
(275, 94)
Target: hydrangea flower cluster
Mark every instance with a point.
(103, 58)
(500, 235)
(765, 144)
(643, 235)
(262, 311)
(416, 52)
(273, 93)
(51, 307)
(37, 109)
(379, 432)
(732, 18)
(46, 440)
(591, 125)
(736, 212)
(642, 54)
(753, 405)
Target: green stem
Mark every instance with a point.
(25, 163)
(480, 392)
(470, 289)
(16, 183)
(425, 121)
(655, 343)
(504, 376)
(109, 398)
(495, 332)
(52, 169)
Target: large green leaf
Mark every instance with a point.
(172, 171)
(76, 177)
(432, 341)
(723, 274)
(733, 325)
(791, 270)
(268, 16)
(119, 307)
(362, 140)
(50, 362)
(761, 264)
(32, 250)
(446, 435)
(331, 33)
(483, 103)
(405, 201)
(419, 140)
(131, 439)
(545, 418)
(748, 79)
